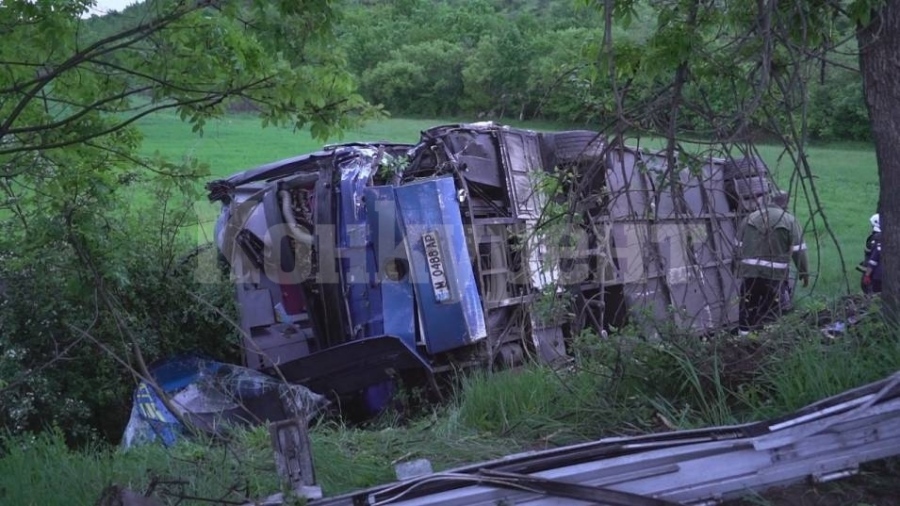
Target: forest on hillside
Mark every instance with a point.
(546, 60)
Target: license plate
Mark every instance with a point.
(436, 267)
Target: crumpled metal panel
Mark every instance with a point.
(478, 152)
(824, 441)
(210, 396)
(397, 295)
(440, 266)
(524, 162)
(522, 158)
(673, 236)
(357, 257)
(627, 186)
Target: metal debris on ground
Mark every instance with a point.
(824, 441)
(293, 456)
(412, 469)
(211, 397)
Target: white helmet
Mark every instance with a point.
(875, 220)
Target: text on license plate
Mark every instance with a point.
(436, 271)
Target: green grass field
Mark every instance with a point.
(845, 177)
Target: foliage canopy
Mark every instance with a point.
(91, 230)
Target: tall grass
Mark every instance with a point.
(618, 386)
(621, 385)
(705, 400)
(349, 458)
(42, 471)
(535, 404)
(816, 367)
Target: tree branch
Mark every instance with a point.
(211, 99)
(98, 48)
(85, 110)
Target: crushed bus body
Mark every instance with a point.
(365, 263)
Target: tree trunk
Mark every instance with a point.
(879, 62)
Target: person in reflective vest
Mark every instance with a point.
(768, 239)
(871, 278)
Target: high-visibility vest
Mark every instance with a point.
(767, 240)
(874, 261)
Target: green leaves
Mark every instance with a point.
(423, 79)
(60, 86)
(716, 69)
(860, 11)
(91, 229)
(71, 89)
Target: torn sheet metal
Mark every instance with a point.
(440, 265)
(824, 441)
(211, 396)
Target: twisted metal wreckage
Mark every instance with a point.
(825, 441)
(365, 264)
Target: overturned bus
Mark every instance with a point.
(363, 263)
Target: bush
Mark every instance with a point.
(70, 313)
(817, 367)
